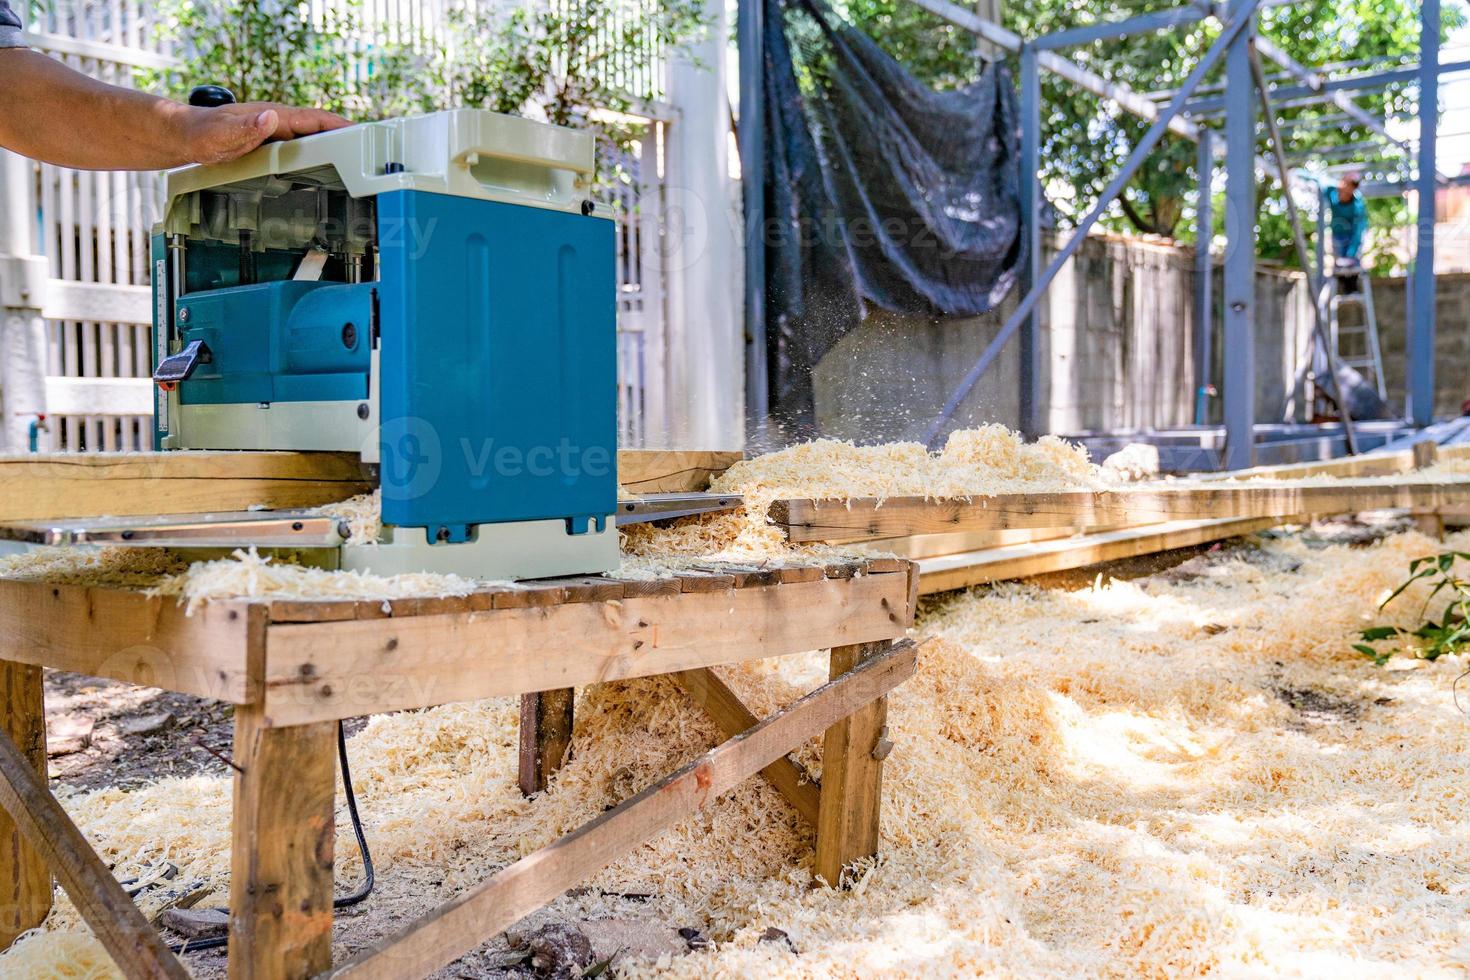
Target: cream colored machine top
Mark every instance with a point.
(463, 152)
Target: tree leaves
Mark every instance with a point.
(1432, 638)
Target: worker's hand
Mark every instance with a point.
(223, 133)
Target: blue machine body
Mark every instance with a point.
(498, 363)
(281, 341)
(497, 358)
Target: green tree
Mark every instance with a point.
(1085, 138)
(562, 60)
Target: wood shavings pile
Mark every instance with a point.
(244, 575)
(974, 462)
(363, 514)
(247, 574)
(117, 568)
(1169, 777)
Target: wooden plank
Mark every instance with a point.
(281, 851)
(1022, 561)
(1367, 464)
(853, 751)
(546, 735)
(25, 880)
(728, 712)
(857, 520)
(55, 486)
(672, 471)
(485, 910)
(133, 943)
(127, 636)
(321, 671)
(930, 545)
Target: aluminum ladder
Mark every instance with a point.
(1366, 354)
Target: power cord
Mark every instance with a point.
(346, 901)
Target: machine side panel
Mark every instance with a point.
(498, 362)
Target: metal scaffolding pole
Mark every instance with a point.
(1204, 276)
(1239, 369)
(1243, 12)
(1031, 404)
(750, 30)
(1422, 329)
(1299, 241)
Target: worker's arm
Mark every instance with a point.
(49, 112)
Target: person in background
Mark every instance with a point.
(1349, 218)
(53, 114)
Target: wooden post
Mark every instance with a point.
(25, 880)
(281, 862)
(852, 769)
(546, 734)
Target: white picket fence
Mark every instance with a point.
(93, 230)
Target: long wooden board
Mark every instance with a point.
(513, 892)
(860, 520)
(940, 574)
(672, 471)
(127, 636)
(71, 485)
(328, 670)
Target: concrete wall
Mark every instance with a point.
(1117, 352)
(1452, 340)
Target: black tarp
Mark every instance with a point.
(879, 192)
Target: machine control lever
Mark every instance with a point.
(178, 367)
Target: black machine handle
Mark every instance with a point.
(211, 96)
(178, 367)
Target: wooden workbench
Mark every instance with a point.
(294, 668)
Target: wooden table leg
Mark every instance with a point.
(852, 770)
(25, 880)
(281, 862)
(546, 734)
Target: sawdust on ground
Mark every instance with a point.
(1160, 777)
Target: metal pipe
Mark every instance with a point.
(1421, 336)
(1204, 277)
(1030, 421)
(1315, 79)
(1154, 20)
(1323, 92)
(750, 30)
(1127, 99)
(1299, 239)
(1238, 373)
(1140, 152)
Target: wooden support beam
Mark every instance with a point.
(459, 926)
(328, 670)
(25, 880)
(281, 854)
(852, 773)
(55, 486)
(546, 735)
(672, 471)
(127, 636)
(960, 571)
(128, 937)
(866, 519)
(732, 717)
